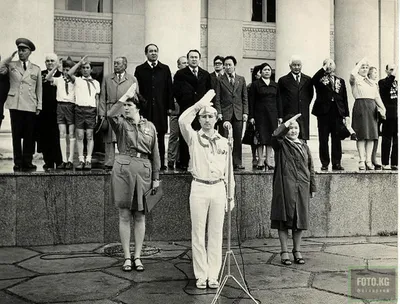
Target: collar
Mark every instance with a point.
(219, 73)
(266, 81)
(26, 62)
(294, 75)
(142, 120)
(149, 63)
(122, 74)
(214, 136)
(233, 75)
(87, 78)
(195, 69)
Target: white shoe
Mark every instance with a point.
(201, 284)
(386, 167)
(213, 283)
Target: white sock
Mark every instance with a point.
(81, 158)
(71, 149)
(63, 146)
(89, 158)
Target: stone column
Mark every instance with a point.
(128, 31)
(356, 36)
(174, 26)
(225, 33)
(29, 19)
(302, 28)
(389, 34)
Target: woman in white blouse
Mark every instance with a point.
(365, 112)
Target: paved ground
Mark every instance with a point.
(349, 158)
(84, 274)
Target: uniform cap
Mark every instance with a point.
(23, 42)
(208, 110)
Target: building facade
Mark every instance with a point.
(254, 31)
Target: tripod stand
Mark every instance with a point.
(229, 252)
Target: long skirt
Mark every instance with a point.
(365, 119)
(130, 180)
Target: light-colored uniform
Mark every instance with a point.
(209, 165)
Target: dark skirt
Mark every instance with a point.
(365, 119)
(284, 225)
(130, 180)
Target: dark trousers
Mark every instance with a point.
(389, 142)
(49, 138)
(23, 127)
(328, 125)
(161, 147)
(183, 147)
(237, 126)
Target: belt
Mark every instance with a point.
(137, 154)
(207, 182)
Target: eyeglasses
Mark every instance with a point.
(217, 63)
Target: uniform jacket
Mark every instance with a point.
(296, 98)
(25, 92)
(328, 96)
(111, 91)
(293, 181)
(230, 100)
(388, 89)
(156, 87)
(188, 89)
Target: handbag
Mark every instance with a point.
(249, 134)
(342, 131)
(151, 199)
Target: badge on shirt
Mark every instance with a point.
(147, 131)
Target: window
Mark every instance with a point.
(93, 6)
(264, 11)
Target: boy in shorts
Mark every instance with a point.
(87, 92)
(65, 112)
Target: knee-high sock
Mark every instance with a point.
(63, 146)
(71, 149)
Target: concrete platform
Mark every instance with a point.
(84, 274)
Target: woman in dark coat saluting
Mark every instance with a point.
(293, 184)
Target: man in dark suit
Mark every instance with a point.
(232, 105)
(330, 107)
(190, 85)
(218, 71)
(388, 89)
(24, 101)
(155, 85)
(296, 91)
(4, 87)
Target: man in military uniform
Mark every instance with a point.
(210, 166)
(24, 102)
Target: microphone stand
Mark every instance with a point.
(229, 252)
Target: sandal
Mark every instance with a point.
(138, 266)
(285, 262)
(296, 259)
(127, 267)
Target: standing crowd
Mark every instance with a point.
(209, 115)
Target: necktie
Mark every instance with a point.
(89, 81)
(119, 77)
(153, 65)
(298, 79)
(66, 86)
(331, 80)
(195, 73)
(24, 65)
(231, 80)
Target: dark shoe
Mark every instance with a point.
(29, 167)
(270, 167)
(377, 166)
(45, 167)
(285, 262)
(353, 136)
(395, 167)
(238, 167)
(325, 168)
(171, 165)
(108, 167)
(62, 166)
(88, 166)
(17, 168)
(298, 259)
(80, 166)
(337, 167)
(262, 167)
(163, 168)
(127, 266)
(69, 166)
(138, 264)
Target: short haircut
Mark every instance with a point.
(124, 60)
(146, 48)
(287, 117)
(218, 57)
(295, 58)
(371, 68)
(139, 101)
(231, 58)
(178, 62)
(196, 51)
(51, 56)
(86, 62)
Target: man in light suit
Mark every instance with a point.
(24, 101)
(330, 107)
(232, 105)
(112, 88)
(296, 91)
(190, 85)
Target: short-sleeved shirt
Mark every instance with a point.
(84, 97)
(62, 95)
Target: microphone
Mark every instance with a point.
(228, 126)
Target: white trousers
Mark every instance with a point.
(207, 200)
